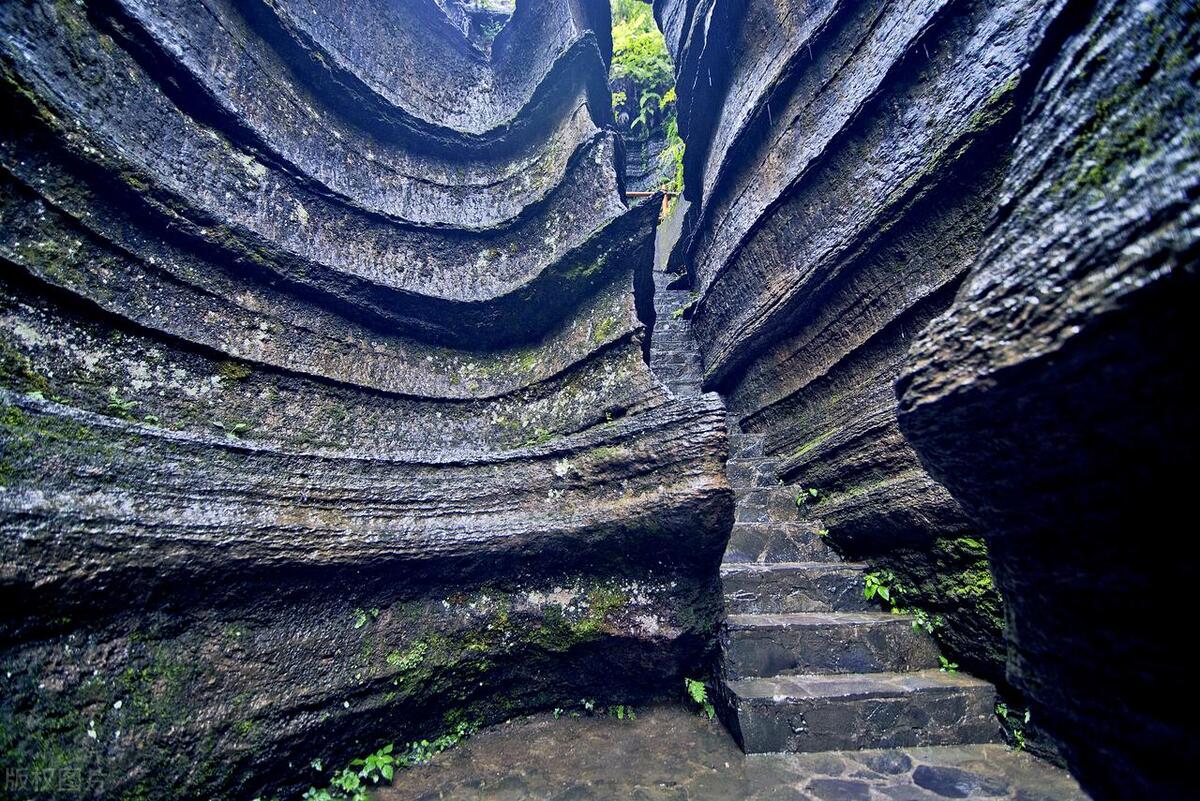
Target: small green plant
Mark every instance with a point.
(118, 405)
(878, 584)
(558, 712)
(923, 621)
(235, 429)
(697, 691)
(946, 665)
(823, 533)
(352, 782)
(621, 712)
(1014, 727)
(361, 616)
(588, 704)
(807, 496)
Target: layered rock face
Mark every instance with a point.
(1051, 397)
(1017, 180)
(326, 416)
(841, 164)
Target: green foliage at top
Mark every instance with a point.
(639, 50)
(640, 54)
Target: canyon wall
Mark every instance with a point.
(326, 416)
(1002, 176)
(1051, 397)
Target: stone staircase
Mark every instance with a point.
(674, 357)
(808, 663)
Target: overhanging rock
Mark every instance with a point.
(326, 417)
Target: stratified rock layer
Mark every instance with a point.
(326, 417)
(1052, 397)
(842, 162)
(994, 204)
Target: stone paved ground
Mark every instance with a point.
(670, 754)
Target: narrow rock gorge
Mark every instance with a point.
(357, 385)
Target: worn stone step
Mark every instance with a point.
(751, 472)
(776, 542)
(745, 445)
(672, 371)
(794, 587)
(824, 642)
(763, 505)
(675, 357)
(799, 713)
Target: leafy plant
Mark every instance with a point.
(806, 496)
(671, 157)
(361, 616)
(878, 584)
(352, 782)
(118, 405)
(1014, 725)
(946, 665)
(923, 621)
(697, 691)
(621, 712)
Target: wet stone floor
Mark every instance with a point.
(671, 754)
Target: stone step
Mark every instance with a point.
(673, 343)
(766, 504)
(823, 642)
(751, 472)
(799, 713)
(787, 587)
(682, 387)
(744, 445)
(776, 542)
(675, 357)
(672, 371)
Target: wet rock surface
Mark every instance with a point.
(808, 662)
(1049, 397)
(1005, 243)
(842, 164)
(669, 753)
(326, 416)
